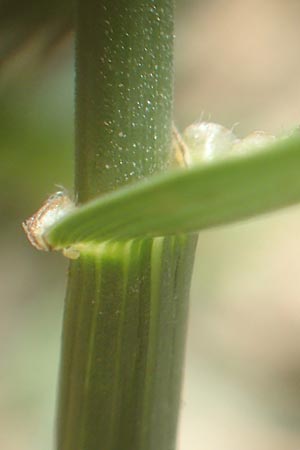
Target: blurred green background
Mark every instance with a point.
(237, 63)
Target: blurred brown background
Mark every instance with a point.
(237, 62)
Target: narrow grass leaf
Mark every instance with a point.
(188, 200)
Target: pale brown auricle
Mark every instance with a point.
(53, 209)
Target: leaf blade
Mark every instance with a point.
(189, 200)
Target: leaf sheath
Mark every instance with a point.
(123, 345)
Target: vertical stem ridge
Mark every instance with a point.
(155, 298)
(95, 305)
(117, 376)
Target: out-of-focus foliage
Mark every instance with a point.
(36, 151)
(23, 21)
(36, 141)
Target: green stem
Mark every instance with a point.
(124, 92)
(125, 312)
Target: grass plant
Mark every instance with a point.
(135, 227)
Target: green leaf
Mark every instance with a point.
(188, 200)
